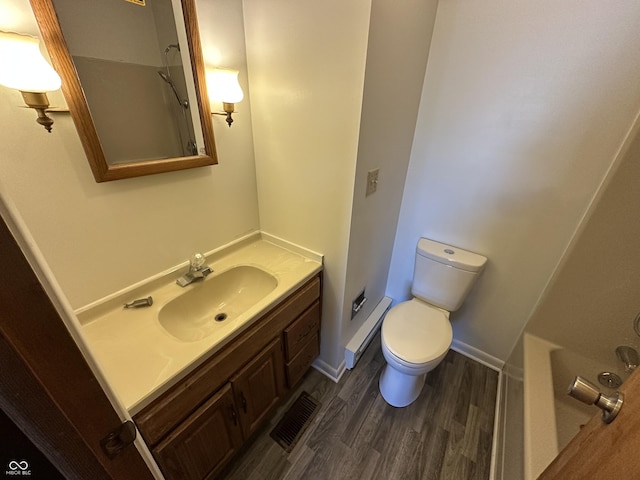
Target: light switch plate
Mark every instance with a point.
(372, 181)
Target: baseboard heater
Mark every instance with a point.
(358, 344)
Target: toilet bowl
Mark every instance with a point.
(416, 334)
(415, 338)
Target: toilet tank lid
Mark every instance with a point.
(450, 255)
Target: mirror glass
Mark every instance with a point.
(134, 79)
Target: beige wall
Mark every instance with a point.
(516, 127)
(399, 39)
(337, 101)
(523, 109)
(131, 229)
(100, 238)
(306, 68)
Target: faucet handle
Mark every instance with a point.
(196, 261)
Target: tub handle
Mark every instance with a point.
(588, 393)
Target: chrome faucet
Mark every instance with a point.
(197, 270)
(628, 356)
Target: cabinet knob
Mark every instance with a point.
(243, 402)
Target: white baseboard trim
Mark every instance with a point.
(477, 355)
(327, 370)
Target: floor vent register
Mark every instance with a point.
(295, 421)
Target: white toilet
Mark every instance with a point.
(416, 335)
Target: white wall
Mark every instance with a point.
(306, 69)
(591, 302)
(523, 108)
(591, 305)
(399, 39)
(100, 238)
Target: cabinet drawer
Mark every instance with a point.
(299, 332)
(296, 367)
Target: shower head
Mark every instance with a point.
(170, 46)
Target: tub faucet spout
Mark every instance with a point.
(628, 356)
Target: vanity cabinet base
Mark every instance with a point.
(196, 427)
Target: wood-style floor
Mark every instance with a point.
(445, 434)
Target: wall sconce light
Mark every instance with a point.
(23, 67)
(223, 86)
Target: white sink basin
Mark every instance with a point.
(206, 306)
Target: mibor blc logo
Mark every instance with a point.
(16, 468)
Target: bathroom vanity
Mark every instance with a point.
(199, 424)
(197, 394)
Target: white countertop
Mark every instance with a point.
(141, 359)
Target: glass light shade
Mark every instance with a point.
(23, 67)
(223, 86)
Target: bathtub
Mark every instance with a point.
(551, 417)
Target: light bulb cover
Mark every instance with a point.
(22, 65)
(223, 86)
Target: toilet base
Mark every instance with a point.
(399, 389)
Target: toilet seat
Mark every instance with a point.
(416, 333)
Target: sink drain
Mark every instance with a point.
(221, 317)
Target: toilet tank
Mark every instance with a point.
(443, 274)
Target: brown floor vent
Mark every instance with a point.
(295, 421)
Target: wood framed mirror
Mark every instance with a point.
(123, 144)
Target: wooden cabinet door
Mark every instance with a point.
(204, 442)
(259, 386)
